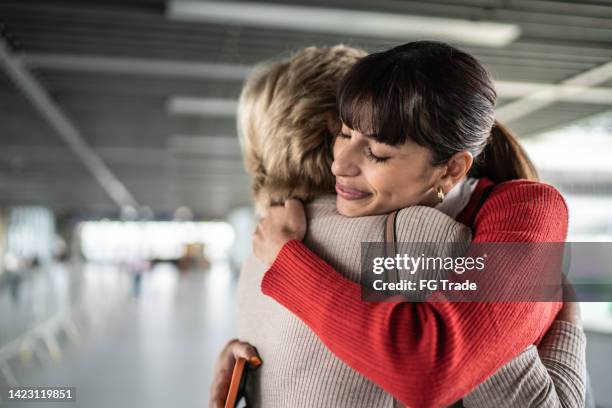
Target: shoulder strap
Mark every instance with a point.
(390, 234)
(391, 242)
(390, 238)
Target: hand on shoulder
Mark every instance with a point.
(281, 224)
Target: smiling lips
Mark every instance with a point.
(349, 193)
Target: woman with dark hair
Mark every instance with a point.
(419, 129)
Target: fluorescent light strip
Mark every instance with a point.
(345, 22)
(202, 106)
(207, 70)
(181, 105)
(135, 66)
(185, 144)
(566, 93)
(567, 90)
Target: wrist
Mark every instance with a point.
(280, 244)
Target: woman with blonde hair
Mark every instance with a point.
(288, 121)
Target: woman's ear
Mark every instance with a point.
(456, 168)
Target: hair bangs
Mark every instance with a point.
(370, 102)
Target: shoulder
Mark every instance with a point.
(327, 228)
(528, 190)
(526, 194)
(427, 224)
(323, 206)
(524, 206)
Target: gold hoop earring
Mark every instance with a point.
(440, 194)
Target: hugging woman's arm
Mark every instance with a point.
(414, 119)
(425, 354)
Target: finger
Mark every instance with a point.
(216, 403)
(221, 381)
(262, 228)
(571, 308)
(568, 291)
(294, 207)
(273, 213)
(220, 388)
(248, 352)
(296, 214)
(226, 360)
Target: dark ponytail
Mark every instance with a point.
(437, 96)
(503, 158)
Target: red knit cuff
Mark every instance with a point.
(295, 264)
(274, 274)
(298, 276)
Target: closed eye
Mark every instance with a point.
(373, 157)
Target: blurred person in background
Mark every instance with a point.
(14, 267)
(288, 120)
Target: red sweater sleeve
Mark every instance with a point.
(426, 354)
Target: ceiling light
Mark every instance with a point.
(219, 145)
(181, 105)
(345, 22)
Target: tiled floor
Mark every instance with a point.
(154, 350)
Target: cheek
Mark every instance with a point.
(382, 180)
(401, 184)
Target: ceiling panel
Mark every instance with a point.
(168, 160)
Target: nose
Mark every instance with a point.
(346, 160)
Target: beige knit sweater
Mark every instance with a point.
(299, 371)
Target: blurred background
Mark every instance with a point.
(124, 206)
